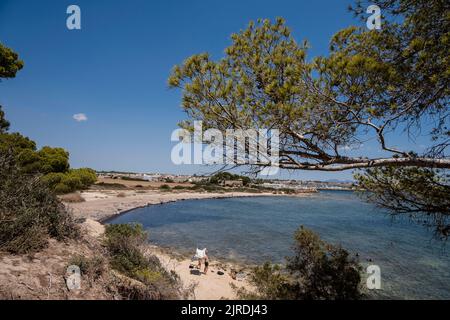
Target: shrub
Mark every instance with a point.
(92, 268)
(86, 175)
(132, 179)
(124, 243)
(271, 282)
(165, 187)
(73, 180)
(324, 271)
(53, 160)
(30, 160)
(52, 179)
(62, 188)
(316, 271)
(121, 195)
(30, 212)
(220, 177)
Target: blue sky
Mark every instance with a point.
(115, 70)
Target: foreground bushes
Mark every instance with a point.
(30, 213)
(91, 268)
(316, 271)
(124, 243)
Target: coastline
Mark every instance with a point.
(101, 205)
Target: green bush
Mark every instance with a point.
(73, 180)
(132, 179)
(124, 242)
(86, 175)
(316, 271)
(116, 232)
(53, 160)
(220, 177)
(62, 188)
(165, 187)
(52, 179)
(52, 163)
(92, 268)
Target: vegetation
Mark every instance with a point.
(179, 187)
(421, 193)
(30, 213)
(92, 268)
(71, 180)
(165, 187)
(124, 242)
(220, 177)
(4, 124)
(132, 178)
(373, 85)
(316, 271)
(10, 63)
(50, 163)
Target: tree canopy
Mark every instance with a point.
(373, 85)
(10, 63)
(4, 124)
(9, 66)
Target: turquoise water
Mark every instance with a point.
(255, 230)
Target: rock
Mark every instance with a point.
(240, 276)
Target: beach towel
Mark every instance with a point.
(200, 254)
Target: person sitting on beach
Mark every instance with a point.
(200, 255)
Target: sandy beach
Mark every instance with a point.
(102, 205)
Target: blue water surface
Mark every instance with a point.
(258, 229)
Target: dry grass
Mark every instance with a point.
(72, 198)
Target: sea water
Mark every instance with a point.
(258, 229)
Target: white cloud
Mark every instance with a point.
(352, 147)
(346, 148)
(79, 117)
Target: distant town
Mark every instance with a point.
(295, 185)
